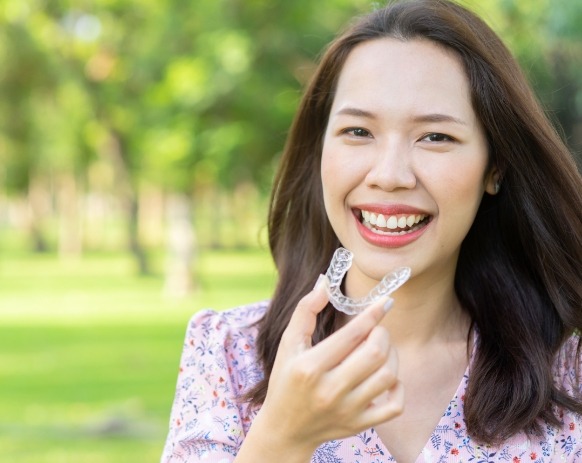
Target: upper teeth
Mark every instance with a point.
(392, 221)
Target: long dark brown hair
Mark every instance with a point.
(519, 271)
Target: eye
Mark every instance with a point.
(357, 132)
(437, 138)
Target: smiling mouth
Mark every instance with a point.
(398, 224)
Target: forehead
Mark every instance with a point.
(416, 74)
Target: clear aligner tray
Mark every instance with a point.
(339, 265)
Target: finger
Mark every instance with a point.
(373, 354)
(334, 349)
(391, 407)
(304, 318)
(372, 389)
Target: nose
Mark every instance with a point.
(392, 167)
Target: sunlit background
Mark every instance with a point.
(137, 144)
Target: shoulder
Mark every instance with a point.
(217, 366)
(224, 342)
(243, 318)
(209, 329)
(568, 365)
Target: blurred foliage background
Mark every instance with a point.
(137, 143)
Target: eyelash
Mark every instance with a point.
(442, 137)
(352, 131)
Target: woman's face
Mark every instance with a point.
(404, 159)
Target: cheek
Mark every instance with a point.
(331, 182)
(341, 169)
(332, 172)
(461, 183)
(472, 181)
(460, 192)
(326, 168)
(338, 180)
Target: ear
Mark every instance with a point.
(493, 181)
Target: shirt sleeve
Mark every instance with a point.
(206, 422)
(568, 439)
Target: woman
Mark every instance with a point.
(417, 143)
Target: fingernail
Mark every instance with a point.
(388, 304)
(321, 280)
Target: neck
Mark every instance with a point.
(420, 318)
(426, 310)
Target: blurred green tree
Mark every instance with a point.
(192, 99)
(546, 37)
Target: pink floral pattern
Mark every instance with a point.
(208, 421)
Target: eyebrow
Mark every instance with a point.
(433, 117)
(436, 117)
(356, 112)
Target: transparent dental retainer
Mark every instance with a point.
(339, 265)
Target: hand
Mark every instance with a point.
(342, 386)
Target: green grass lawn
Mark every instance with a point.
(89, 352)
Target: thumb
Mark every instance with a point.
(303, 321)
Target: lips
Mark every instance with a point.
(391, 227)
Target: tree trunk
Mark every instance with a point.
(70, 242)
(130, 200)
(138, 251)
(39, 207)
(152, 216)
(181, 247)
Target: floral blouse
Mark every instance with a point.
(209, 424)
